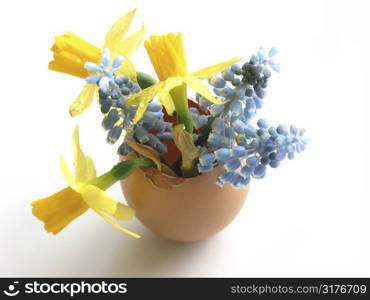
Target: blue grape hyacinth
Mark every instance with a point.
(242, 149)
(113, 93)
(249, 157)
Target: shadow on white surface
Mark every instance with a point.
(155, 256)
(106, 253)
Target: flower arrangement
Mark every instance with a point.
(167, 136)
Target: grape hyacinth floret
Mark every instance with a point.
(113, 93)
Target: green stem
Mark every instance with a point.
(180, 99)
(120, 171)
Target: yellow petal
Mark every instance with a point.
(166, 100)
(83, 101)
(123, 212)
(142, 99)
(97, 198)
(119, 30)
(131, 43)
(67, 174)
(201, 89)
(60, 209)
(114, 224)
(84, 165)
(127, 69)
(210, 70)
(135, 99)
(161, 88)
(164, 96)
(170, 83)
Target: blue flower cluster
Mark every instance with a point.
(113, 93)
(232, 141)
(242, 88)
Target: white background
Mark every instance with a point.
(308, 218)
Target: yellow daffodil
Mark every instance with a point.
(167, 55)
(84, 192)
(72, 52)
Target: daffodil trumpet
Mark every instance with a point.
(85, 190)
